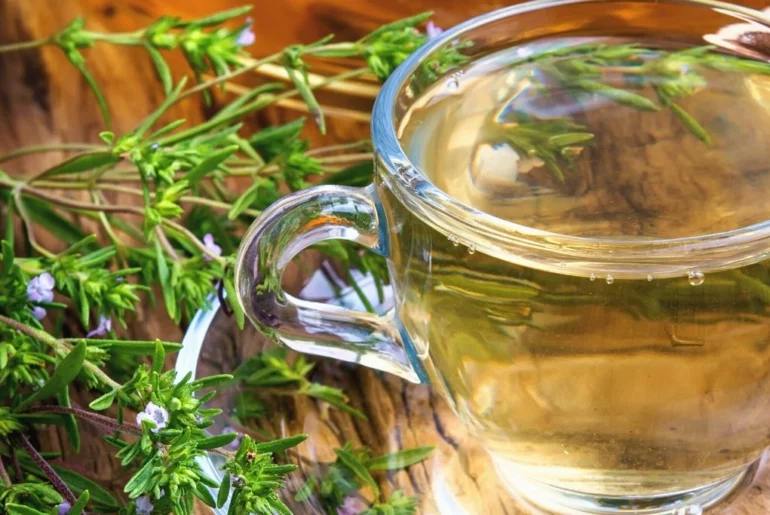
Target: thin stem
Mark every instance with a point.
(71, 204)
(356, 145)
(166, 244)
(63, 147)
(16, 466)
(359, 89)
(24, 45)
(58, 346)
(250, 65)
(53, 477)
(193, 239)
(361, 156)
(104, 421)
(4, 474)
(27, 221)
(98, 198)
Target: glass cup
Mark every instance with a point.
(603, 375)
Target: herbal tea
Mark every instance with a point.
(584, 381)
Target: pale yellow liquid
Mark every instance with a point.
(637, 387)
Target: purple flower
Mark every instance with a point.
(143, 505)
(40, 288)
(432, 30)
(38, 312)
(235, 444)
(104, 327)
(211, 246)
(351, 506)
(246, 37)
(64, 508)
(156, 414)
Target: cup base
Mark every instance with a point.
(545, 499)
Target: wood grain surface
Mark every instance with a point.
(42, 101)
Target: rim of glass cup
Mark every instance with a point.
(573, 255)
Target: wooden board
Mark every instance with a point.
(42, 101)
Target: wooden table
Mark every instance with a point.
(42, 100)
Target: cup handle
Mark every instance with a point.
(276, 237)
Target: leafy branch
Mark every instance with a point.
(194, 190)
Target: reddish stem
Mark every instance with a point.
(4, 474)
(53, 477)
(104, 421)
(16, 466)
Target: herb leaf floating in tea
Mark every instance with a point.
(629, 75)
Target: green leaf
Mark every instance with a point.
(281, 444)
(159, 358)
(8, 255)
(246, 199)
(70, 423)
(358, 469)
(165, 281)
(103, 402)
(232, 300)
(203, 493)
(224, 490)
(169, 127)
(307, 95)
(400, 24)
(218, 18)
(270, 141)
(81, 163)
(209, 381)
(164, 74)
(77, 60)
(400, 459)
(214, 442)
(333, 396)
(170, 99)
(18, 509)
(618, 95)
(62, 376)
(42, 213)
(359, 174)
(131, 347)
(80, 505)
(244, 99)
(80, 484)
(209, 164)
(9, 232)
(138, 483)
(691, 123)
(571, 138)
(83, 243)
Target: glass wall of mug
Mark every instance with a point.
(576, 227)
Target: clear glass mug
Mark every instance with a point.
(624, 408)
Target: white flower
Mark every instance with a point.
(153, 413)
(211, 246)
(246, 37)
(104, 327)
(143, 504)
(432, 30)
(40, 288)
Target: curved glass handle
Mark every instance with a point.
(280, 233)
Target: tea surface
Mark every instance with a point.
(593, 384)
(603, 138)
